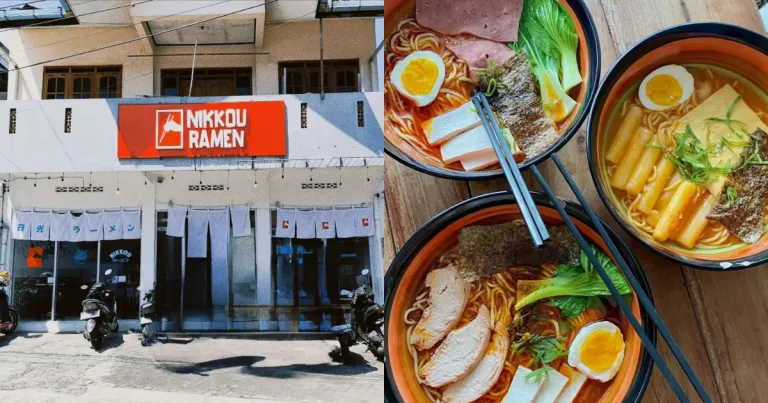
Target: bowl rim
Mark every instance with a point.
(427, 231)
(674, 33)
(594, 56)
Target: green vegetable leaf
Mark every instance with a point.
(731, 195)
(568, 270)
(558, 25)
(543, 349)
(539, 374)
(587, 284)
(572, 306)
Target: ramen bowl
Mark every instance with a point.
(409, 268)
(588, 54)
(733, 52)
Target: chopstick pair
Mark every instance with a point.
(530, 213)
(510, 169)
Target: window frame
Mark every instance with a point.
(330, 67)
(178, 75)
(69, 74)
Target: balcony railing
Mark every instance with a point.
(82, 135)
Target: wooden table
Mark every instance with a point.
(717, 318)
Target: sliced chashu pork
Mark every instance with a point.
(477, 51)
(485, 374)
(459, 353)
(448, 294)
(496, 20)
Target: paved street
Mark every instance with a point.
(63, 368)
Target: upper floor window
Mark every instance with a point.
(3, 76)
(207, 82)
(304, 77)
(82, 82)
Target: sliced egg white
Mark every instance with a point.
(419, 77)
(597, 351)
(665, 88)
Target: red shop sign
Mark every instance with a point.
(252, 129)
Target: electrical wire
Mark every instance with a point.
(133, 25)
(142, 37)
(47, 22)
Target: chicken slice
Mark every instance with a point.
(448, 294)
(485, 374)
(459, 353)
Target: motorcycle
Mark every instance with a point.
(147, 312)
(9, 327)
(368, 320)
(99, 314)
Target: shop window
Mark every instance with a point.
(77, 267)
(207, 82)
(283, 272)
(82, 82)
(33, 278)
(120, 268)
(304, 77)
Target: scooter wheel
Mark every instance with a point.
(96, 342)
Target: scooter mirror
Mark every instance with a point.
(84, 287)
(365, 272)
(108, 272)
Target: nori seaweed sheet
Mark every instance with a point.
(485, 250)
(744, 217)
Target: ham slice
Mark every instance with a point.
(496, 20)
(477, 51)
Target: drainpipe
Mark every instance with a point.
(375, 77)
(322, 67)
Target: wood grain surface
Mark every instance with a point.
(716, 318)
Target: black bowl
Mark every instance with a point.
(428, 231)
(589, 52)
(728, 46)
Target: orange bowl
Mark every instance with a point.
(409, 269)
(733, 48)
(589, 61)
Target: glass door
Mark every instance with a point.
(170, 275)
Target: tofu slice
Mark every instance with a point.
(575, 382)
(479, 161)
(551, 387)
(522, 390)
(468, 144)
(442, 128)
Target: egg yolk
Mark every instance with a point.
(664, 90)
(419, 76)
(600, 349)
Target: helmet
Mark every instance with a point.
(5, 278)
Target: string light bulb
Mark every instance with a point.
(255, 184)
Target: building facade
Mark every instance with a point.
(227, 154)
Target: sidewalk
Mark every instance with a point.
(63, 367)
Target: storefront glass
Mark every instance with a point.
(33, 278)
(120, 268)
(77, 263)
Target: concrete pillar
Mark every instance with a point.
(148, 272)
(376, 247)
(263, 256)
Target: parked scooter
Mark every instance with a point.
(368, 320)
(9, 318)
(100, 314)
(147, 311)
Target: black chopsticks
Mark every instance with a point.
(530, 213)
(507, 162)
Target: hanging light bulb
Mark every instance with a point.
(255, 184)
(117, 192)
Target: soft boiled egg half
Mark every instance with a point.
(419, 76)
(597, 351)
(666, 87)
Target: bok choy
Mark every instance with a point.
(566, 283)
